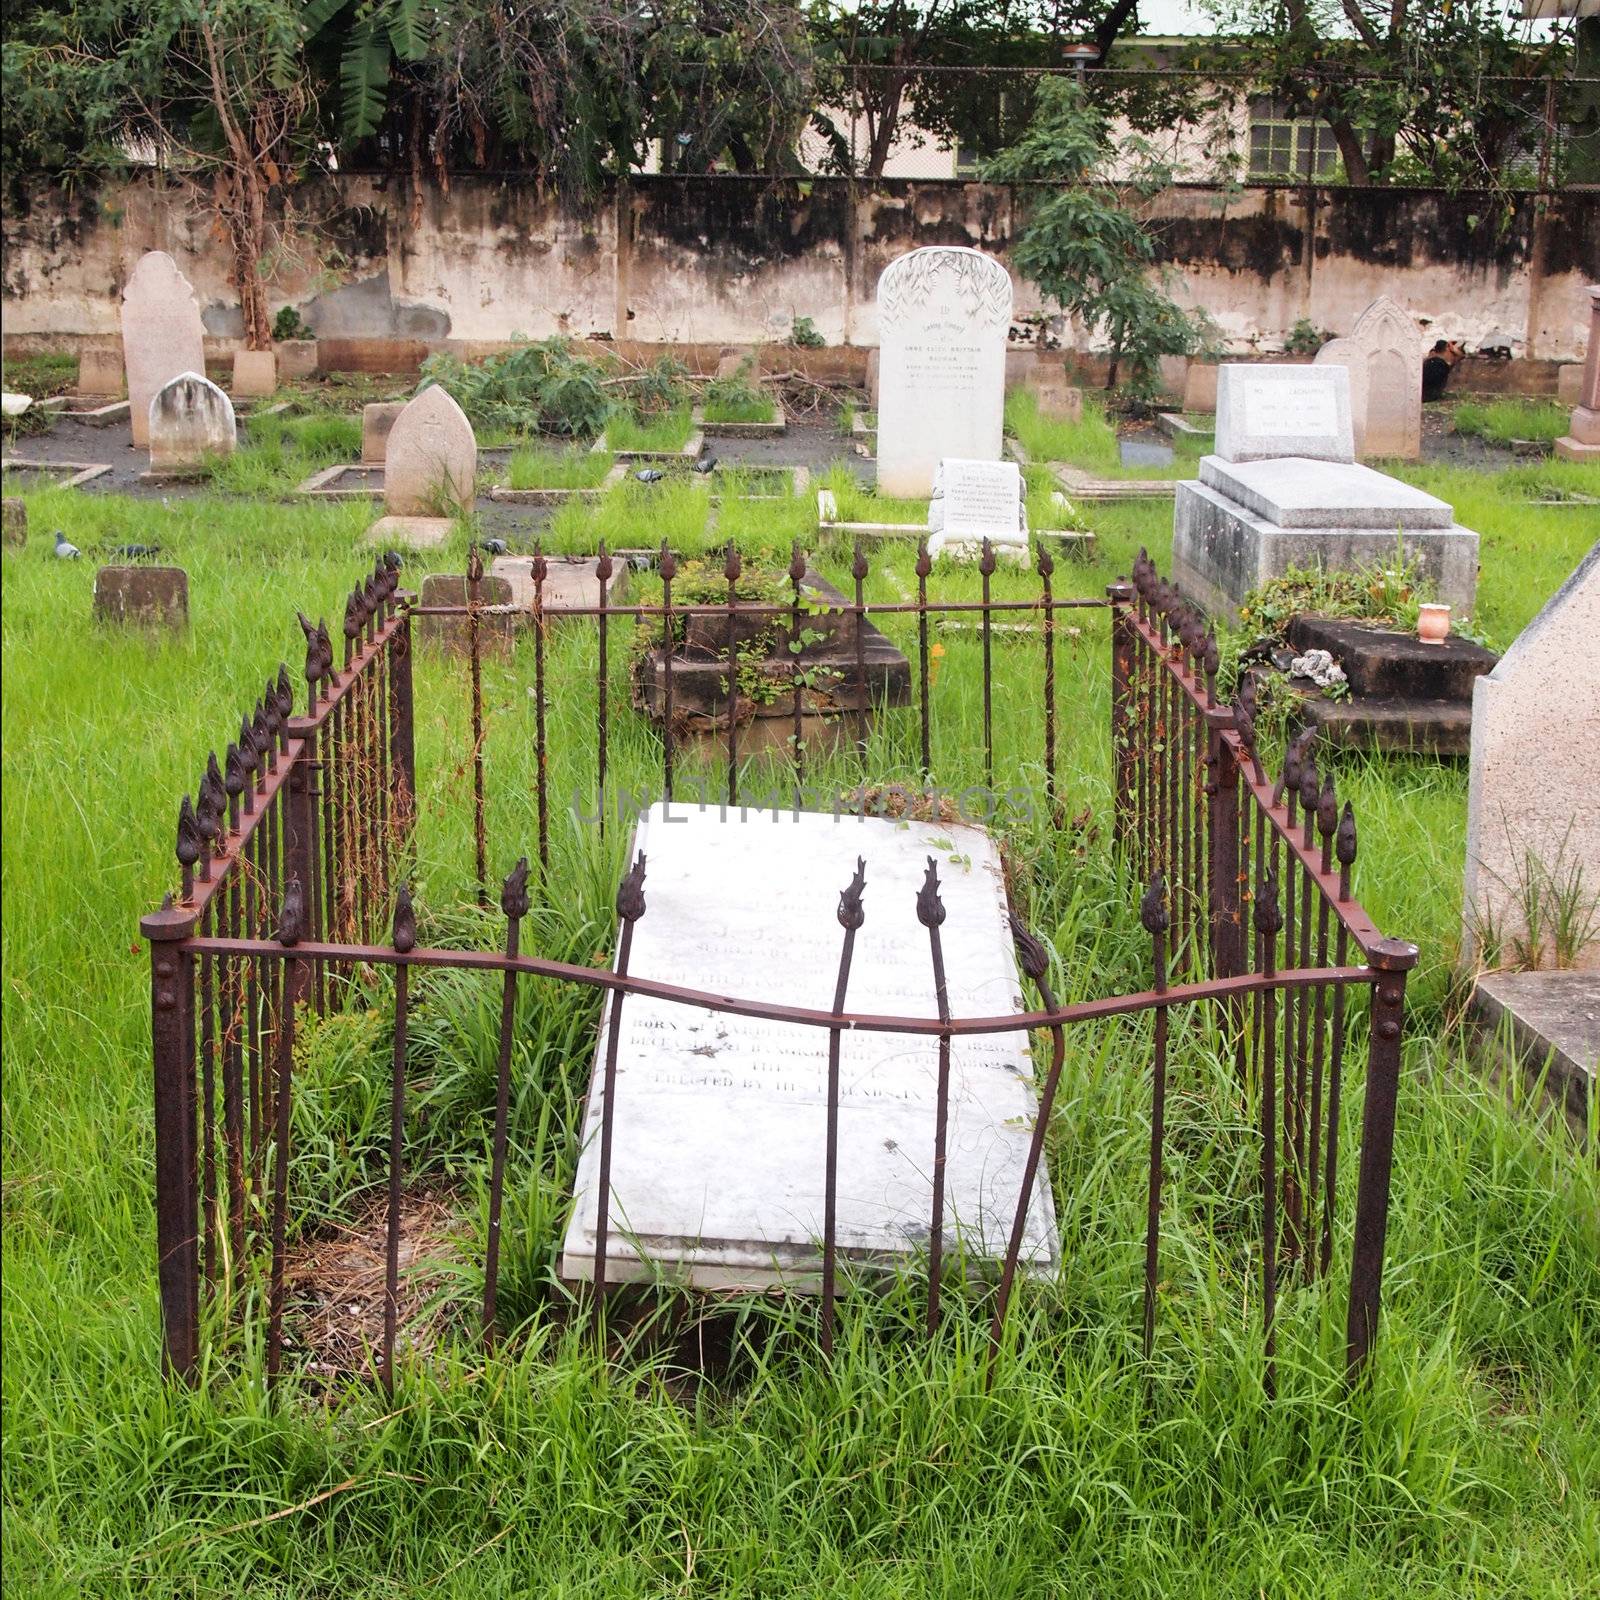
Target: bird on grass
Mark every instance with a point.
(650, 475)
(495, 547)
(137, 552)
(704, 465)
(65, 549)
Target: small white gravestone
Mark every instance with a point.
(944, 316)
(190, 421)
(162, 335)
(1383, 355)
(1533, 790)
(430, 459)
(720, 1121)
(1277, 409)
(977, 500)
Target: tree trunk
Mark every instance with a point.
(885, 124)
(245, 214)
(1345, 136)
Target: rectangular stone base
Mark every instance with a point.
(1546, 1020)
(415, 533)
(1570, 449)
(1221, 550)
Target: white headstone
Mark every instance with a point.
(190, 420)
(717, 1172)
(1279, 409)
(162, 335)
(944, 315)
(1383, 355)
(973, 501)
(1533, 791)
(430, 465)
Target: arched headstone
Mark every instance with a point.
(431, 458)
(1383, 353)
(189, 420)
(944, 314)
(162, 335)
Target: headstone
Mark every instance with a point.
(874, 359)
(977, 500)
(431, 458)
(719, 1121)
(1383, 355)
(190, 421)
(1053, 394)
(1172, 377)
(297, 358)
(15, 514)
(944, 314)
(570, 582)
(732, 358)
(495, 632)
(255, 372)
(142, 596)
(1272, 409)
(99, 372)
(377, 422)
(1582, 441)
(162, 335)
(1569, 383)
(1533, 794)
(1200, 386)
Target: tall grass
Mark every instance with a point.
(1501, 421)
(1469, 1466)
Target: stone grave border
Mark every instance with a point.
(693, 448)
(617, 473)
(799, 482)
(69, 474)
(1081, 485)
(1178, 427)
(775, 429)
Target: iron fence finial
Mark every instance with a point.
(1035, 959)
(188, 850)
(514, 892)
(291, 915)
(1153, 912)
(630, 891)
(930, 908)
(851, 913)
(1268, 913)
(405, 920)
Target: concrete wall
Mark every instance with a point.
(382, 272)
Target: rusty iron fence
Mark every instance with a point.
(290, 884)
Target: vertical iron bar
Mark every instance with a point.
(541, 743)
(1120, 595)
(924, 567)
(514, 903)
(603, 569)
(986, 566)
(1269, 919)
(858, 572)
(797, 573)
(930, 913)
(1046, 565)
(851, 916)
(405, 939)
(290, 930)
(669, 644)
(1156, 919)
(730, 570)
(474, 654)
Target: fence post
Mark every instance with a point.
(402, 737)
(300, 853)
(177, 1196)
(1120, 594)
(1392, 959)
(1222, 830)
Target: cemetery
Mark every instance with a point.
(869, 928)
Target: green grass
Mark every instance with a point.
(1089, 444)
(48, 373)
(572, 467)
(1501, 421)
(858, 502)
(1469, 1467)
(761, 409)
(668, 432)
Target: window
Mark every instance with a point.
(1285, 146)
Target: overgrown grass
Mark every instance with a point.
(1089, 444)
(758, 408)
(46, 373)
(667, 431)
(1469, 1466)
(572, 467)
(1501, 421)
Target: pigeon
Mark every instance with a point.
(704, 465)
(137, 552)
(65, 549)
(650, 475)
(495, 547)
(393, 558)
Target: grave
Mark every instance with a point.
(944, 316)
(717, 1175)
(142, 596)
(1383, 355)
(162, 336)
(570, 582)
(430, 458)
(297, 358)
(1404, 695)
(1054, 396)
(1582, 440)
(1283, 490)
(99, 372)
(1144, 453)
(343, 482)
(977, 500)
(837, 706)
(1200, 386)
(377, 422)
(496, 629)
(255, 372)
(191, 423)
(1533, 794)
(15, 515)
(1547, 1026)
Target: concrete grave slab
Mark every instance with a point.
(1297, 493)
(571, 582)
(496, 627)
(413, 533)
(1549, 1023)
(717, 1163)
(66, 474)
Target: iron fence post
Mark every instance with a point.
(1392, 959)
(177, 1194)
(402, 735)
(300, 846)
(1120, 594)
(1222, 830)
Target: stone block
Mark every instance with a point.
(255, 373)
(1569, 383)
(1549, 1024)
(142, 596)
(15, 515)
(297, 358)
(1200, 386)
(1324, 494)
(100, 372)
(495, 632)
(377, 423)
(1268, 409)
(1384, 663)
(1053, 394)
(570, 582)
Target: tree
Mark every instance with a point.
(1083, 245)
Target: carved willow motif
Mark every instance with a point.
(981, 283)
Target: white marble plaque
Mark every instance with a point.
(973, 501)
(720, 1121)
(1266, 410)
(944, 316)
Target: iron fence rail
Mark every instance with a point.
(286, 882)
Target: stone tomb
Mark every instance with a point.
(495, 629)
(1582, 440)
(1283, 490)
(430, 459)
(977, 500)
(720, 1121)
(162, 336)
(1383, 355)
(142, 596)
(570, 582)
(944, 316)
(191, 422)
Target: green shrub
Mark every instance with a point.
(542, 387)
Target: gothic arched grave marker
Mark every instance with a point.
(1383, 354)
(430, 459)
(944, 315)
(162, 335)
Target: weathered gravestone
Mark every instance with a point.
(717, 1173)
(377, 422)
(190, 422)
(1283, 490)
(1533, 794)
(430, 459)
(162, 335)
(571, 583)
(15, 515)
(977, 500)
(1383, 355)
(944, 315)
(255, 372)
(495, 629)
(1053, 394)
(156, 597)
(1582, 441)
(1200, 386)
(99, 372)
